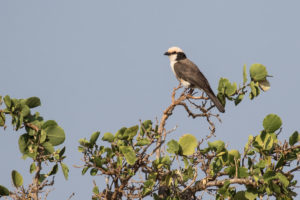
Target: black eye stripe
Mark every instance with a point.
(174, 52)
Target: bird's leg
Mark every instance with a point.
(191, 90)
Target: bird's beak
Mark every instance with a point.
(167, 54)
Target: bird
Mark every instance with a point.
(189, 74)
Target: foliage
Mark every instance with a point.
(263, 167)
(37, 143)
(139, 162)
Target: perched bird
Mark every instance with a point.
(189, 74)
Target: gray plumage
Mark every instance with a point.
(189, 74)
(186, 70)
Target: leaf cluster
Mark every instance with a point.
(37, 143)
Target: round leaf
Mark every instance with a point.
(49, 123)
(173, 147)
(109, 137)
(258, 72)
(33, 102)
(48, 146)
(3, 191)
(188, 143)
(55, 134)
(217, 145)
(16, 178)
(271, 123)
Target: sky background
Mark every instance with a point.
(99, 65)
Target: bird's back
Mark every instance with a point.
(188, 71)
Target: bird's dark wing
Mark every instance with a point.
(188, 71)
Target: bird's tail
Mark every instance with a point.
(216, 101)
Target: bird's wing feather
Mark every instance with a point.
(188, 71)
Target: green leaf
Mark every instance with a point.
(23, 140)
(173, 147)
(146, 126)
(16, 178)
(244, 74)
(271, 123)
(258, 72)
(25, 110)
(80, 149)
(65, 170)
(251, 194)
(84, 170)
(131, 132)
(109, 137)
(261, 164)
(93, 172)
(53, 170)
(269, 175)
(42, 177)
(61, 152)
(7, 101)
(32, 168)
(217, 146)
(253, 90)
(94, 137)
(3, 191)
(129, 154)
(240, 195)
(225, 87)
(43, 136)
(2, 119)
(280, 162)
(48, 124)
(33, 102)
(294, 138)
(188, 143)
(239, 99)
(96, 190)
(48, 146)
(230, 89)
(55, 134)
(143, 142)
(166, 160)
(283, 179)
(120, 133)
(84, 142)
(233, 155)
(224, 188)
(268, 142)
(243, 172)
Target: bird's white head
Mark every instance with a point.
(174, 53)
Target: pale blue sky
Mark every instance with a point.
(99, 65)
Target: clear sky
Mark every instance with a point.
(99, 65)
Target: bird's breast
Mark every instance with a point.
(172, 63)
